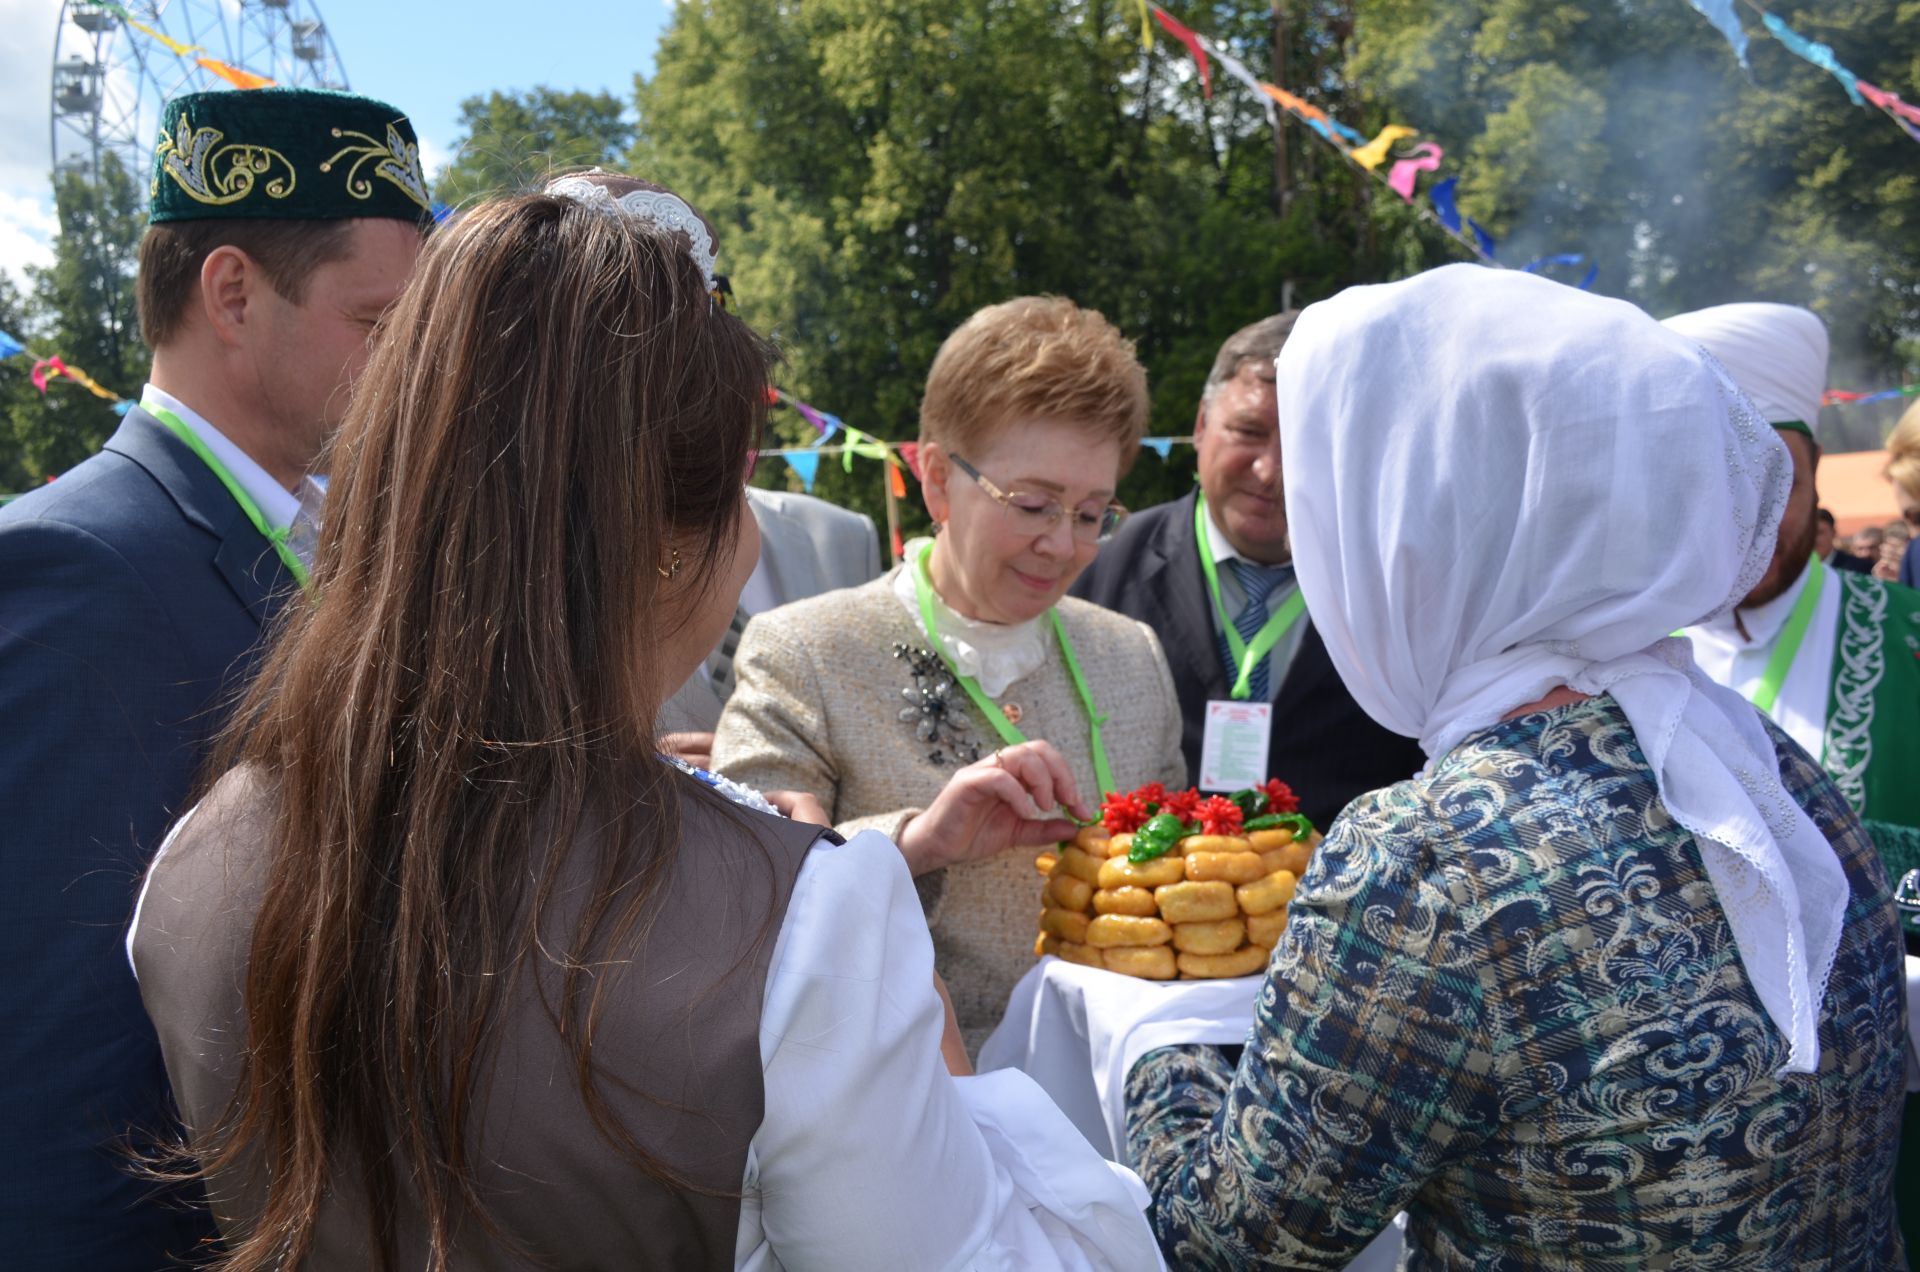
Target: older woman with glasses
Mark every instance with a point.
(963, 704)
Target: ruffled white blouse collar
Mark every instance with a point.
(994, 654)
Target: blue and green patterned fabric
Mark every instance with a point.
(1508, 1003)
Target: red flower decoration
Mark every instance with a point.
(1123, 814)
(1182, 804)
(1220, 816)
(1152, 793)
(1280, 797)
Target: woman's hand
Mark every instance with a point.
(995, 804)
(694, 748)
(799, 806)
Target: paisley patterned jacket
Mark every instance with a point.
(1509, 1004)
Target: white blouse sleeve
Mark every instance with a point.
(870, 1154)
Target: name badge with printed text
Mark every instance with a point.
(1233, 753)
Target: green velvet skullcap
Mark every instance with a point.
(291, 154)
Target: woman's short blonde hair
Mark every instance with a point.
(1903, 452)
(1033, 359)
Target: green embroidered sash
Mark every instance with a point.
(1872, 742)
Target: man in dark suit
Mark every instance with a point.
(1321, 743)
(133, 594)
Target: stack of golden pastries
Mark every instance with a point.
(1176, 886)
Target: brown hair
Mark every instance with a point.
(172, 253)
(1035, 358)
(556, 405)
(1903, 452)
(1255, 345)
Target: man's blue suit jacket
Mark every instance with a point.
(133, 594)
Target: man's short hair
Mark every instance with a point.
(1256, 345)
(171, 254)
(1824, 515)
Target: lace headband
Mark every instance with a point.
(659, 207)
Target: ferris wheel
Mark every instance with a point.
(115, 66)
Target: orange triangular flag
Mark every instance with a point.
(233, 74)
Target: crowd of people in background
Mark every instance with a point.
(529, 846)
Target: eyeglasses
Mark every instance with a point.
(1038, 514)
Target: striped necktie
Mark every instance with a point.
(1258, 582)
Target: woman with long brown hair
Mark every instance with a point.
(450, 969)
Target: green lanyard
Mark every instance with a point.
(1279, 623)
(1791, 635)
(277, 537)
(1102, 771)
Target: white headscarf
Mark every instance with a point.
(1496, 485)
(1777, 354)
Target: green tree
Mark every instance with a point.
(880, 170)
(82, 308)
(1628, 131)
(511, 141)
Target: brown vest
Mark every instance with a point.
(677, 1049)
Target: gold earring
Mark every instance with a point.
(672, 568)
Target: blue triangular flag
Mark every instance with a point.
(1480, 236)
(1538, 265)
(1593, 272)
(1726, 22)
(122, 407)
(807, 464)
(441, 213)
(1161, 446)
(1350, 134)
(1441, 192)
(9, 346)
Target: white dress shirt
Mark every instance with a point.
(1234, 597)
(299, 513)
(1737, 663)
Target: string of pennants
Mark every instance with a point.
(194, 52)
(1365, 155)
(1726, 20)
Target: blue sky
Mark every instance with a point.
(424, 58)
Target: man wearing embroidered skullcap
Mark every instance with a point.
(134, 591)
(1832, 656)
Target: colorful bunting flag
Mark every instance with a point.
(1818, 54)
(178, 49)
(1161, 446)
(1236, 68)
(806, 465)
(1720, 13)
(1192, 41)
(44, 368)
(1351, 135)
(910, 451)
(896, 482)
(1481, 237)
(1902, 112)
(233, 74)
(1298, 105)
(9, 347)
(1374, 153)
(1426, 158)
(1540, 264)
(1146, 27)
(1440, 194)
(1841, 397)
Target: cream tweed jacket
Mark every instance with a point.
(816, 708)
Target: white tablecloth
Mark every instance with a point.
(1077, 1031)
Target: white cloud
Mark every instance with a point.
(27, 225)
(433, 157)
(26, 200)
